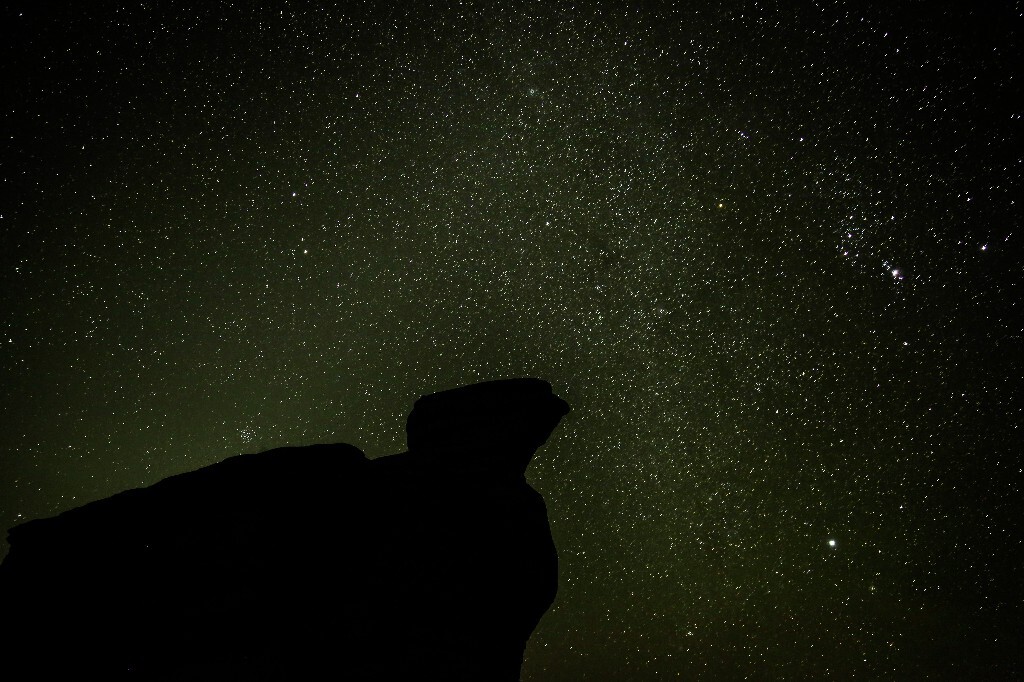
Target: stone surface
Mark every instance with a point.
(300, 563)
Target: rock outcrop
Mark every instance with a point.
(303, 563)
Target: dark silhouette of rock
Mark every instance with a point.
(303, 563)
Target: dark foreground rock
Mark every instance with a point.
(303, 563)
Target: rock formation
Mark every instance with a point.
(303, 563)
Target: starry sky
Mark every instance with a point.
(769, 251)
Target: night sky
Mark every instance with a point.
(769, 252)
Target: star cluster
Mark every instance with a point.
(768, 252)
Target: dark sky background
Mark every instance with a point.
(768, 251)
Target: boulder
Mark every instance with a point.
(303, 562)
